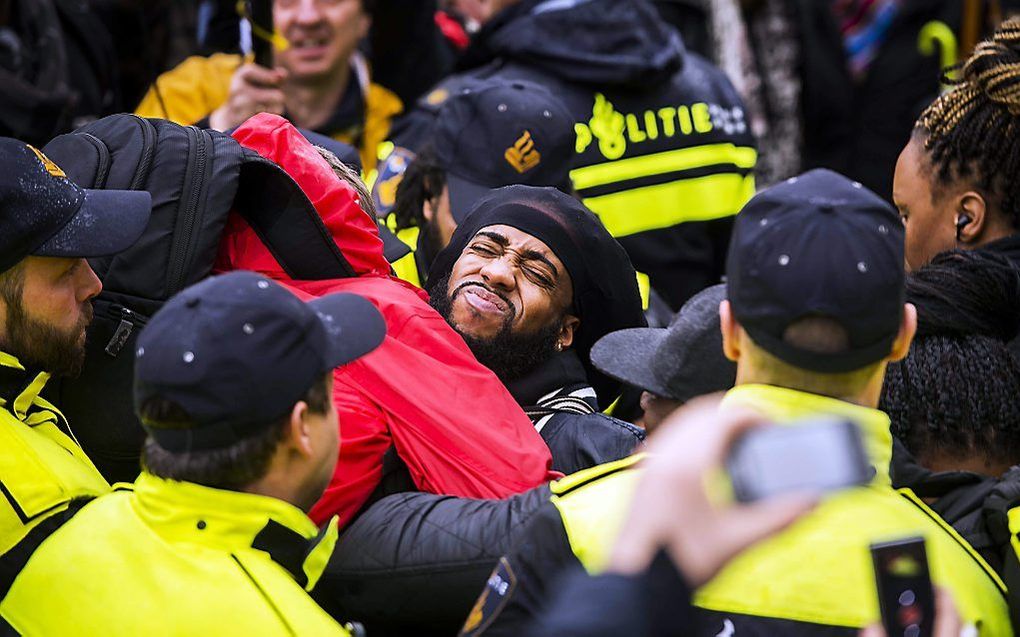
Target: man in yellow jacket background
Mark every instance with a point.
(48, 225)
(320, 81)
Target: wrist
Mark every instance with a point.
(218, 119)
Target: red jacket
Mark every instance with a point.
(450, 419)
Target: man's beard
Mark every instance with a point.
(43, 347)
(510, 356)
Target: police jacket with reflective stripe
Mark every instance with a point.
(42, 468)
(176, 558)
(815, 578)
(664, 154)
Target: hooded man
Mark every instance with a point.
(663, 150)
(412, 404)
(531, 280)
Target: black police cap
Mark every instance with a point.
(818, 245)
(498, 133)
(43, 213)
(237, 351)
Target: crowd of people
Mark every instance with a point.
(406, 317)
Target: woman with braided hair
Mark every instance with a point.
(954, 401)
(957, 182)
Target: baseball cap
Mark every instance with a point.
(43, 213)
(818, 245)
(237, 351)
(682, 361)
(497, 133)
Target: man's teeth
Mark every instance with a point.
(303, 44)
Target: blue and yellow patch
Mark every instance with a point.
(390, 172)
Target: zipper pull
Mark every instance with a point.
(121, 334)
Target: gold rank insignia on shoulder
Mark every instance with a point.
(47, 163)
(523, 155)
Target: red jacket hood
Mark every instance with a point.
(353, 230)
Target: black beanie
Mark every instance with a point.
(606, 296)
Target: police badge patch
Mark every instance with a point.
(494, 597)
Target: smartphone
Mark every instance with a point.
(261, 13)
(814, 456)
(905, 596)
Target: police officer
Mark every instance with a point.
(489, 134)
(815, 311)
(48, 225)
(663, 153)
(233, 383)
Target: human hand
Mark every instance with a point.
(253, 89)
(947, 620)
(671, 510)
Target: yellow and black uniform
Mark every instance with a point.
(189, 93)
(44, 475)
(815, 578)
(209, 562)
(663, 155)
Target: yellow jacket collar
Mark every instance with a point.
(783, 405)
(232, 520)
(20, 389)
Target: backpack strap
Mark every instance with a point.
(280, 214)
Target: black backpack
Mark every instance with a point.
(196, 177)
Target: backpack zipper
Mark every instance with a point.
(148, 151)
(193, 189)
(128, 320)
(103, 168)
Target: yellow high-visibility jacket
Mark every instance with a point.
(176, 558)
(816, 574)
(42, 468)
(199, 85)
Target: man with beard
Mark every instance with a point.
(48, 225)
(531, 280)
(486, 135)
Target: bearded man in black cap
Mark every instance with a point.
(48, 228)
(531, 280)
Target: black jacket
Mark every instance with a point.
(656, 602)
(413, 563)
(57, 69)
(634, 92)
(958, 496)
(561, 403)
(859, 128)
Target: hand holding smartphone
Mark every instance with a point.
(905, 595)
(813, 456)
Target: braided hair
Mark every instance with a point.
(423, 181)
(973, 130)
(956, 393)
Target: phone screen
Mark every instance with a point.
(815, 456)
(905, 595)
